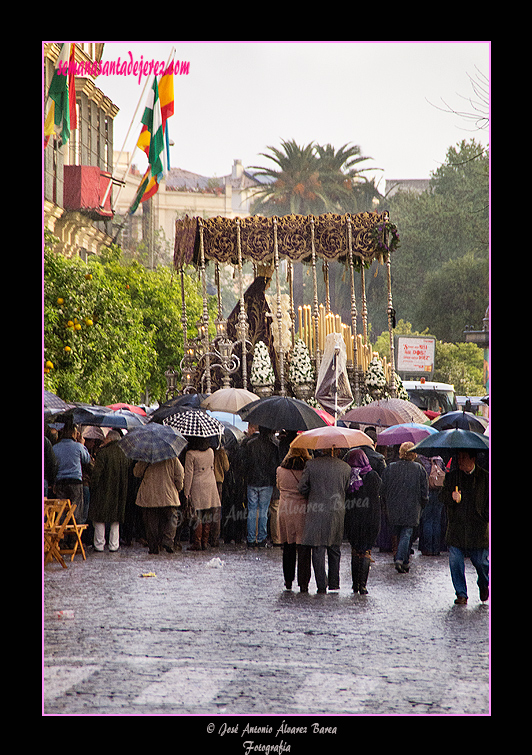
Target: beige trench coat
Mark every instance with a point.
(292, 505)
(161, 483)
(200, 482)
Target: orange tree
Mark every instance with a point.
(110, 328)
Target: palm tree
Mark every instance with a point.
(343, 183)
(294, 186)
(313, 179)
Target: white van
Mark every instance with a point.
(434, 397)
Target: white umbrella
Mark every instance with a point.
(229, 400)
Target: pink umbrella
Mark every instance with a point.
(331, 436)
(129, 407)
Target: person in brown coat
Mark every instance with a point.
(221, 466)
(158, 496)
(292, 513)
(201, 490)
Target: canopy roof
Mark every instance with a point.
(294, 238)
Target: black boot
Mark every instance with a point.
(364, 562)
(355, 570)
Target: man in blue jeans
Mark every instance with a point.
(405, 491)
(466, 497)
(261, 459)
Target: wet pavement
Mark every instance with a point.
(230, 641)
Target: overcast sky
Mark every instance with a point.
(239, 98)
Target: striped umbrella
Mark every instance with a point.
(195, 424)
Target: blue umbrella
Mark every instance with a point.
(408, 431)
(452, 440)
(121, 418)
(153, 443)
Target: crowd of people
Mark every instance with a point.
(260, 492)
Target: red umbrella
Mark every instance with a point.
(129, 407)
(326, 417)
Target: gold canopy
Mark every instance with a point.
(294, 238)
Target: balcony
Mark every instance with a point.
(84, 191)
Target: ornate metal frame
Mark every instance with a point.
(357, 240)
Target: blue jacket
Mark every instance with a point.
(70, 456)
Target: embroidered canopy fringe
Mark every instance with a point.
(294, 238)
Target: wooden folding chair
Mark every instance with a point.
(72, 527)
(54, 525)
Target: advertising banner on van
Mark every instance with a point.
(415, 355)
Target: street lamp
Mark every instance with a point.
(171, 382)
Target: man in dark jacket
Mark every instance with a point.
(405, 491)
(108, 486)
(466, 496)
(324, 483)
(261, 459)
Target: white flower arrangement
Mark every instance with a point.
(400, 390)
(375, 377)
(301, 370)
(261, 366)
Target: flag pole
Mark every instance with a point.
(125, 140)
(141, 99)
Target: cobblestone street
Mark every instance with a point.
(196, 640)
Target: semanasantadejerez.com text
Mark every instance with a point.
(119, 67)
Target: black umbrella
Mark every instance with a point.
(282, 413)
(101, 416)
(179, 404)
(461, 420)
(232, 434)
(452, 440)
(83, 414)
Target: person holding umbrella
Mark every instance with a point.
(200, 490)
(260, 461)
(324, 483)
(466, 497)
(158, 497)
(362, 515)
(405, 491)
(108, 492)
(156, 448)
(292, 513)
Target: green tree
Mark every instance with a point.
(446, 222)
(94, 338)
(112, 328)
(462, 365)
(458, 363)
(453, 296)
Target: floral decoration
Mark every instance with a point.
(386, 238)
(301, 370)
(375, 377)
(261, 366)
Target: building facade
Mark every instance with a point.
(180, 193)
(76, 176)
